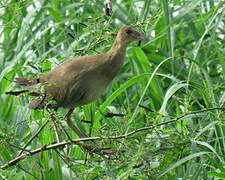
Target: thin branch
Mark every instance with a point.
(110, 115)
(53, 117)
(23, 169)
(55, 127)
(31, 139)
(77, 141)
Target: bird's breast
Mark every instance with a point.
(94, 87)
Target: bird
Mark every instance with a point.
(80, 80)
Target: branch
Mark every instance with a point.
(77, 141)
(31, 139)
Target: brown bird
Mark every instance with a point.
(81, 80)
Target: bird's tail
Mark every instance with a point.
(27, 81)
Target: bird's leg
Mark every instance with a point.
(72, 126)
(88, 147)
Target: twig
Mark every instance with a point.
(55, 126)
(31, 139)
(110, 115)
(27, 172)
(108, 8)
(83, 24)
(22, 149)
(146, 108)
(85, 121)
(57, 136)
(77, 141)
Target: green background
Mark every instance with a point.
(178, 75)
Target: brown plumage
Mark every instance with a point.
(83, 79)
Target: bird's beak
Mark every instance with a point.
(140, 37)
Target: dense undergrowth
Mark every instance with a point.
(173, 85)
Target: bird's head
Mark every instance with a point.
(128, 34)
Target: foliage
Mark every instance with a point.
(178, 73)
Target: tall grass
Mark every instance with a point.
(178, 76)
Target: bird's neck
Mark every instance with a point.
(119, 46)
(116, 57)
(118, 52)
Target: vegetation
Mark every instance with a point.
(170, 89)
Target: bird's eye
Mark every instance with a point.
(128, 31)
